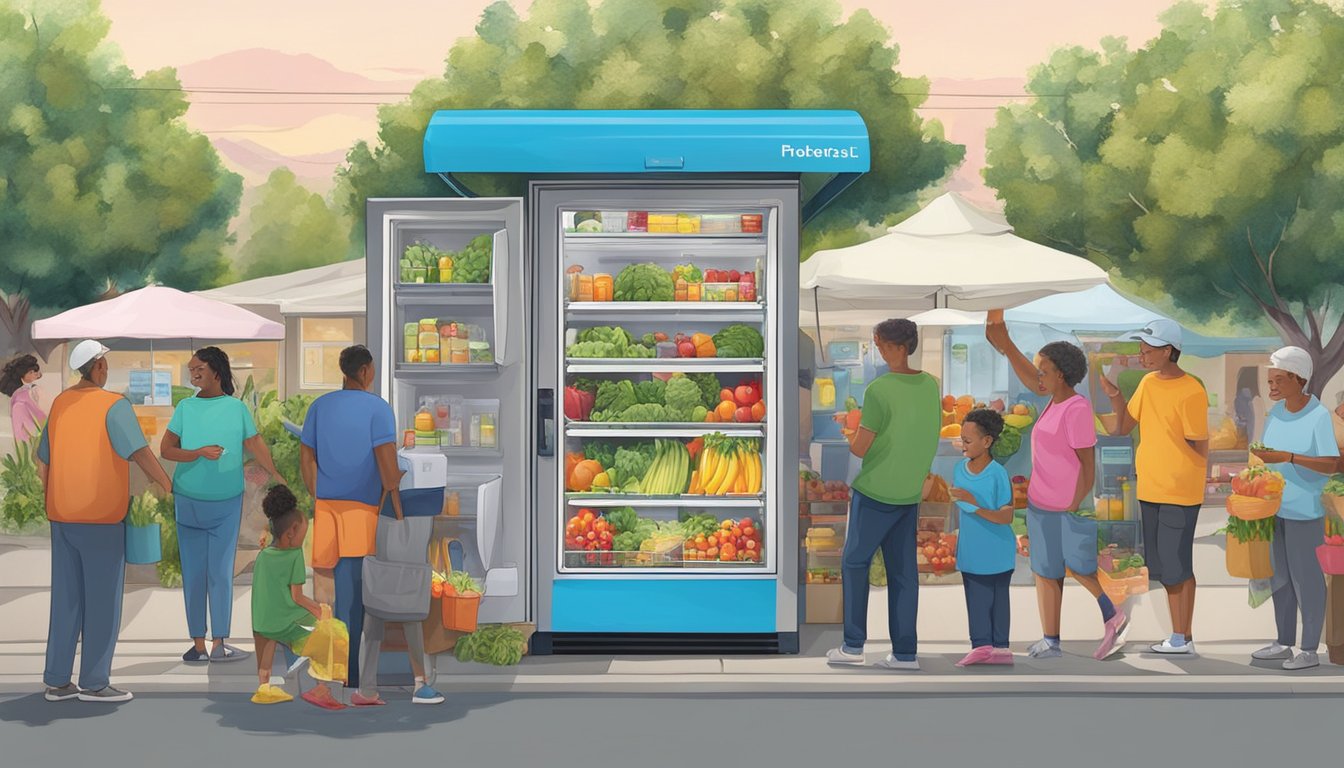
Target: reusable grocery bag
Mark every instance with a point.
(1248, 559)
(438, 638)
(397, 576)
(328, 651)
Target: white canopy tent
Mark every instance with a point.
(949, 255)
(334, 289)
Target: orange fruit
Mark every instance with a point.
(725, 410)
(758, 410)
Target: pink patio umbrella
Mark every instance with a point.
(157, 312)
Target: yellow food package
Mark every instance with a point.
(328, 651)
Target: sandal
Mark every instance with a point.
(360, 700)
(269, 694)
(325, 702)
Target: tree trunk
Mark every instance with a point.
(16, 331)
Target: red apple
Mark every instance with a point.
(685, 349)
(743, 415)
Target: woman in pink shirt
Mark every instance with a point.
(18, 380)
(1063, 469)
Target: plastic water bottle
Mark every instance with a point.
(1131, 501)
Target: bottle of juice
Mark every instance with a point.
(603, 287)
(488, 431)
(1130, 497)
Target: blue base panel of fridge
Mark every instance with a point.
(664, 605)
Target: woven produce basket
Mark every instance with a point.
(1252, 508)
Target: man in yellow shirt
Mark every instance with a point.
(1170, 408)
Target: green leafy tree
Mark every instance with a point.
(666, 54)
(102, 185)
(292, 228)
(1207, 166)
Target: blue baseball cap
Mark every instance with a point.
(1159, 333)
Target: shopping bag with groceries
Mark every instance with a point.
(328, 650)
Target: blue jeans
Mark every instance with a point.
(88, 572)
(207, 535)
(349, 582)
(987, 608)
(891, 528)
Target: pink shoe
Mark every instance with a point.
(978, 655)
(1114, 639)
(1002, 656)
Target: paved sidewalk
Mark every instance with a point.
(153, 639)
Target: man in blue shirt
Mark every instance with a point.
(349, 461)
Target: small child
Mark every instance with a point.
(986, 547)
(281, 613)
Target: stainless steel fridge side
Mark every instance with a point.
(506, 553)
(546, 201)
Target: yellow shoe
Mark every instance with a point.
(269, 694)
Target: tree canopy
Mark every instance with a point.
(102, 185)
(292, 228)
(1207, 165)
(665, 54)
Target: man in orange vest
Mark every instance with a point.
(84, 458)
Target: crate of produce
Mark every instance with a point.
(634, 559)
(936, 552)
(823, 576)
(937, 516)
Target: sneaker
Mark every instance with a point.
(107, 695)
(427, 695)
(1303, 660)
(841, 657)
(226, 652)
(979, 655)
(891, 662)
(194, 655)
(1044, 649)
(64, 693)
(1167, 649)
(1114, 639)
(1273, 652)
(269, 694)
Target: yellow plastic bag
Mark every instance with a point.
(328, 651)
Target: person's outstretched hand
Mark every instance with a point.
(1109, 387)
(996, 330)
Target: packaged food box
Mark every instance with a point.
(720, 224)
(719, 292)
(614, 221)
(751, 223)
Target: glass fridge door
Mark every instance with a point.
(447, 305)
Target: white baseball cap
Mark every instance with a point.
(86, 352)
(1294, 360)
(1159, 333)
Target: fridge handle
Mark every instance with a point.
(488, 521)
(499, 277)
(546, 422)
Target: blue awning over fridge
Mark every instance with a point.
(616, 142)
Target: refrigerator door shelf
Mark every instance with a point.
(499, 271)
(700, 502)
(430, 373)
(666, 365)
(482, 294)
(584, 429)
(501, 582)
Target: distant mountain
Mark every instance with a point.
(264, 109)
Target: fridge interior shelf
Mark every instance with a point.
(469, 452)
(632, 430)
(699, 502)
(418, 294)
(423, 371)
(700, 239)
(644, 310)
(665, 365)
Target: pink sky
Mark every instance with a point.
(947, 38)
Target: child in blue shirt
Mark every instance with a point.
(986, 547)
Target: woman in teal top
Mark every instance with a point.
(206, 437)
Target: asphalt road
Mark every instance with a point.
(592, 731)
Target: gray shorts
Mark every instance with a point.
(1060, 540)
(1169, 541)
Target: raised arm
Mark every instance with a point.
(996, 333)
(1124, 422)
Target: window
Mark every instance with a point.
(321, 340)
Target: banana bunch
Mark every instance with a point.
(727, 466)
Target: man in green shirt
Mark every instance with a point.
(897, 439)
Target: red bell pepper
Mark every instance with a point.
(578, 404)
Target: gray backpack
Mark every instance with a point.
(397, 577)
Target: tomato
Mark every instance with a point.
(713, 540)
(751, 545)
(702, 545)
(748, 531)
(930, 551)
(588, 516)
(436, 589)
(737, 531)
(591, 536)
(744, 395)
(712, 553)
(941, 552)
